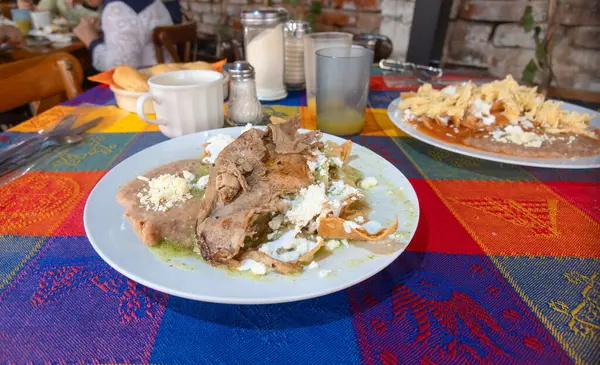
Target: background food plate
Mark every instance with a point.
(564, 163)
(112, 237)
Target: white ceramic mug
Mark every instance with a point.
(185, 101)
(41, 19)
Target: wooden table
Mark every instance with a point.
(76, 48)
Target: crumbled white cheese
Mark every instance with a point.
(332, 245)
(202, 182)
(336, 161)
(571, 139)
(247, 127)
(349, 225)
(449, 90)
(257, 268)
(526, 123)
(372, 227)
(276, 221)
(308, 203)
(368, 182)
(360, 219)
(324, 273)
(313, 265)
(164, 192)
(338, 193)
(481, 110)
(444, 119)
(320, 165)
(344, 242)
(188, 176)
(214, 146)
(515, 134)
(143, 178)
(408, 115)
(288, 248)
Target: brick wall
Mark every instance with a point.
(482, 33)
(354, 16)
(487, 34)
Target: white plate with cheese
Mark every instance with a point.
(111, 235)
(565, 163)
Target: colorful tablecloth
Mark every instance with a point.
(503, 268)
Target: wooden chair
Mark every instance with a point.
(50, 79)
(6, 6)
(171, 37)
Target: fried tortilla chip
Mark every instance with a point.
(309, 256)
(332, 227)
(277, 120)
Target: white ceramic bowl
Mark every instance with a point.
(127, 100)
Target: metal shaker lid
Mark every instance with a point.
(264, 16)
(241, 70)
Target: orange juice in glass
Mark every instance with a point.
(23, 19)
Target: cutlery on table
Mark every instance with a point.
(25, 150)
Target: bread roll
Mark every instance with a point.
(164, 67)
(130, 79)
(200, 65)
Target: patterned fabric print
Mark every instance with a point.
(39, 202)
(44, 120)
(294, 98)
(565, 294)
(520, 218)
(585, 175)
(66, 295)
(447, 309)
(14, 252)
(386, 148)
(381, 99)
(101, 95)
(317, 331)
(97, 152)
(140, 142)
(436, 163)
(585, 196)
(281, 111)
(438, 229)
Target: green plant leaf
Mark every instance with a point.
(527, 20)
(316, 7)
(540, 51)
(529, 72)
(538, 30)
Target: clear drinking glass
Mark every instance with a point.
(312, 43)
(343, 76)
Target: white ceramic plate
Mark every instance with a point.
(563, 163)
(112, 237)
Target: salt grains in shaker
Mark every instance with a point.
(294, 53)
(243, 106)
(263, 39)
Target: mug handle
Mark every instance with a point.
(140, 110)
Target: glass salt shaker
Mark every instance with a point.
(243, 106)
(264, 48)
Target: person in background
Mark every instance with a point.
(11, 35)
(126, 27)
(72, 10)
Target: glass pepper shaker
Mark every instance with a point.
(243, 106)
